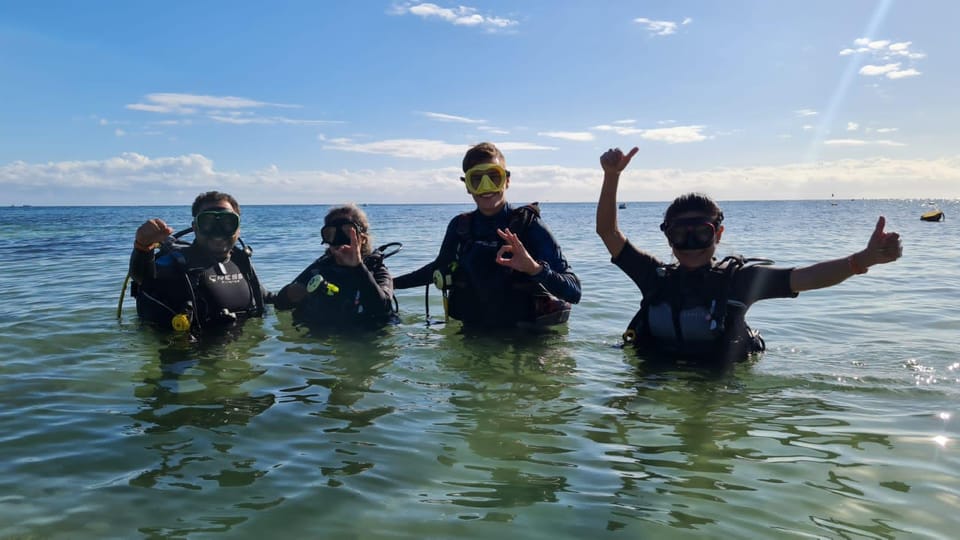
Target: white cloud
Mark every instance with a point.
(671, 135)
(902, 74)
(886, 130)
(871, 70)
(674, 135)
(852, 126)
(806, 127)
(220, 109)
(181, 122)
(861, 142)
(403, 148)
(119, 132)
(493, 130)
(805, 112)
(188, 103)
(627, 121)
(686, 20)
(133, 178)
(243, 120)
(127, 171)
(893, 54)
(459, 16)
(890, 71)
(568, 135)
(659, 28)
(451, 118)
(520, 146)
(619, 129)
(425, 149)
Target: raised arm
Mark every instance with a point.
(883, 247)
(151, 233)
(613, 162)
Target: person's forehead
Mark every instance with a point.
(217, 205)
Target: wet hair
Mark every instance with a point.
(482, 153)
(358, 217)
(204, 199)
(693, 202)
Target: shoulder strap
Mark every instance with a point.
(463, 226)
(241, 256)
(522, 217)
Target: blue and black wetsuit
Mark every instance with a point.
(699, 313)
(188, 280)
(341, 295)
(485, 293)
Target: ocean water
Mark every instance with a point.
(847, 427)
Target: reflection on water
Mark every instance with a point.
(508, 408)
(192, 399)
(700, 451)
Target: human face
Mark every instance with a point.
(489, 202)
(693, 236)
(337, 233)
(212, 229)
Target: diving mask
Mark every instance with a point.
(337, 232)
(216, 223)
(690, 233)
(486, 178)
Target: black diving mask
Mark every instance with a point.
(690, 233)
(337, 232)
(216, 223)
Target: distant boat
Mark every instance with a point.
(933, 215)
(622, 205)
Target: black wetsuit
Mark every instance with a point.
(485, 293)
(699, 313)
(342, 295)
(188, 280)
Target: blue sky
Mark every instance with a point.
(327, 102)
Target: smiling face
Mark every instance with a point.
(491, 202)
(213, 240)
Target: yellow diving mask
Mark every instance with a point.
(486, 178)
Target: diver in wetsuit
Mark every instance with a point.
(695, 308)
(348, 285)
(208, 283)
(500, 264)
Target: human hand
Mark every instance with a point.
(348, 254)
(883, 247)
(614, 160)
(152, 232)
(513, 255)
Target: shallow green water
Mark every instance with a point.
(846, 428)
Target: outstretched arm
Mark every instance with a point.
(882, 248)
(424, 274)
(613, 162)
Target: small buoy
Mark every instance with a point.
(933, 215)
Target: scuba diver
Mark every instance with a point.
(348, 285)
(695, 308)
(193, 286)
(499, 265)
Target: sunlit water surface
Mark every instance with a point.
(846, 428)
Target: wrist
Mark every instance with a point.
(140, 246)
(857, 264)
(539, 270)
